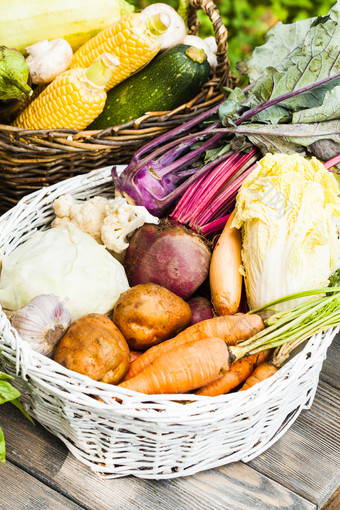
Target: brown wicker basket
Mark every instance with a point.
(31, 159)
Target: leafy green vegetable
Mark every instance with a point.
(288, 138)
(232, 105)
(330, 109)
(295, 101)
(8, 394)
(212, 154)
(14, 73)
(19, 406)
(315, 58)
(2, 447)
(280, 41)
(334, 280)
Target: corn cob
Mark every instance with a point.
(72, 100)
(134, 40)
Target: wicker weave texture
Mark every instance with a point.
(116, 432)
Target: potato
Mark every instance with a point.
(95, 347)
(147, 314)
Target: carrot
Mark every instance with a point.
(186, 367)
(239, 371)
(261, 372)
(231, 328)
(266, 369)
(224, 273)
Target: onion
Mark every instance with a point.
(200, 309)
(168, 255)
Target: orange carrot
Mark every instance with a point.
(231, 328)
(261, 372)
(186, 367)
(224, 273)
(239, 371)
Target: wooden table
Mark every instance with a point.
(300, 471)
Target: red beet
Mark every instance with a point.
(168, 255)
(200, 309)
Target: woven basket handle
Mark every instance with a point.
(221, 33)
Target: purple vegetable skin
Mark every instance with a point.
(168, 255)
(156, 179)
(200, 309)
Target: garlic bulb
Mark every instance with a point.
(42, 322)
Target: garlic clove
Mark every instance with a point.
(42, 322)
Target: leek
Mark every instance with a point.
(293, 326)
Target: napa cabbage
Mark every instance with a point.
(288, 211)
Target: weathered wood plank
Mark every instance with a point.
(236, 486)
(334, 501)
(19, 490)
(307, 458)
(331, 367)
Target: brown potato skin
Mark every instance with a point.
(148, 314)
(95, 347)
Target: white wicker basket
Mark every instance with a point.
(146, 436)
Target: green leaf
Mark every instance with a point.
(18, 404)
(229, 108)
(7, 392)
(5, 376)
(330, 109)
(276, 144)
(314, 59)
(334, 280)
(2, 448)
(212, 154)
(280, 41)
(289, 138)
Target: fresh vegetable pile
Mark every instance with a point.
(213, 260)
(115, 66)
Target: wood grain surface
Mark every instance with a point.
(20, 491)
(306, 459)
(331, 367)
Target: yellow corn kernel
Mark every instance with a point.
(134, 40)
(73, 100)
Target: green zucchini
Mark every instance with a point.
(171, 79)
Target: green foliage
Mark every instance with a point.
(8, 394)
(249, 20)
